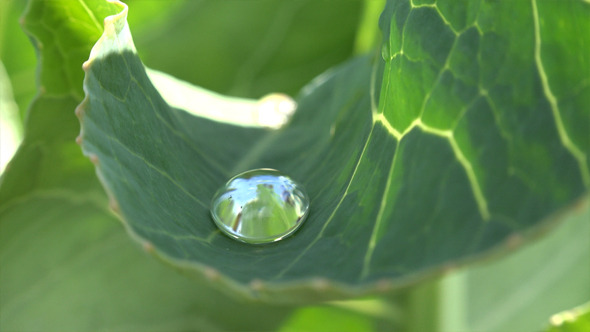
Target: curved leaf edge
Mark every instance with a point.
(116, 38)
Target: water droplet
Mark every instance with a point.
(259, 206)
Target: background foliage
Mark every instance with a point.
(61, 250)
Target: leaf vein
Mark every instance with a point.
(379, 219)
(578, 154)
(161, 172)
(331, 217)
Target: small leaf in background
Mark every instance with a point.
(17, 54)
(574, 320)
(17, 79)
(10, 122)
(318, 319)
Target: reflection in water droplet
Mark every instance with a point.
(259, 206)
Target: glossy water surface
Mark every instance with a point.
(259, 206)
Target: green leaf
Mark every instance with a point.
(49, 158)
(17, 54)
(285, 44)
(325, 318)
(469, 146)
(67, 265)
(48, 183)
(10, 122)
(575, 320)
(520, 291)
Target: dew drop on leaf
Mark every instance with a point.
(259, 206)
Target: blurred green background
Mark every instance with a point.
(248, 49)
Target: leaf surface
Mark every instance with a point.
(70, 267)
(461, 139)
